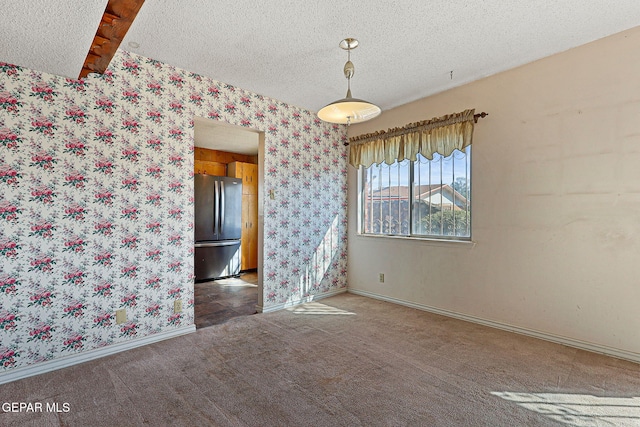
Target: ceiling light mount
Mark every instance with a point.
(349, 43)
(349, 110)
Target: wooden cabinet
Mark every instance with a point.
(249, 255)
(249, 174)
(214, 162)
(209, 168)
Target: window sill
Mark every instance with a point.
(426, 240)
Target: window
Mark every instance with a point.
(426, 191)
(422, 198)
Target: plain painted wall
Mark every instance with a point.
(555, 202)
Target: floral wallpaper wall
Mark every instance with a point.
(96, 203)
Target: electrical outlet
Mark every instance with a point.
(177, 306)
(121, 316)
(381, 277)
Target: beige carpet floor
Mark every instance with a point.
(342, 361)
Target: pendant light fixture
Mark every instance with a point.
(348, 109)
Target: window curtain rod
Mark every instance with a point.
(411, 127)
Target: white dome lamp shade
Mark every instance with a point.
(349, 110)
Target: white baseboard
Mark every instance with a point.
(300, 301)
(74, 359)
(583, 345)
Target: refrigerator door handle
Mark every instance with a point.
(222, 197)
(216, 244)
(215, 207)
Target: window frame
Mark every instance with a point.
(424, 237)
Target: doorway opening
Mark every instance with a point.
(222, 149)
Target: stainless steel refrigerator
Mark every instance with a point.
(217, 226)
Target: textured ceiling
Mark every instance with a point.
(288, 49)
(51, 36)
(216, 135)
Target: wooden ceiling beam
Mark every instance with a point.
(116, 20)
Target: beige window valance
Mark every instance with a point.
(440, 135)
